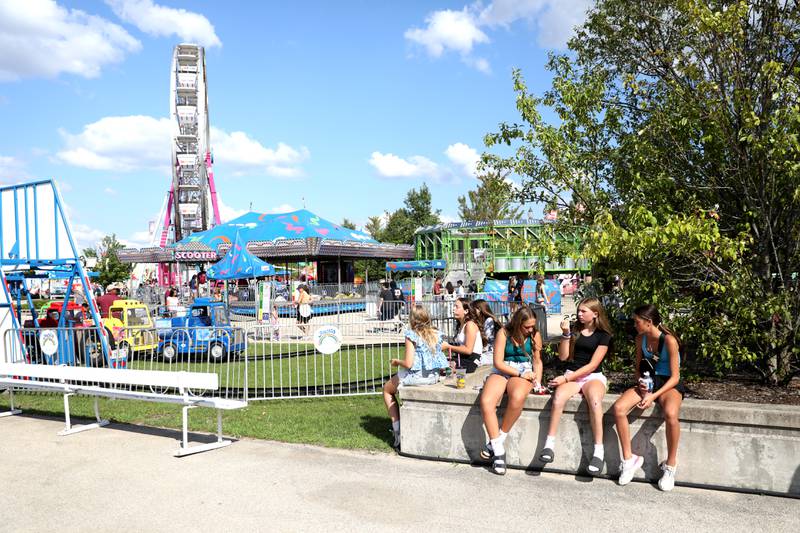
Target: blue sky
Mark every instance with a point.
(339, 106)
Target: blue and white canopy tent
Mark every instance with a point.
(238, 263)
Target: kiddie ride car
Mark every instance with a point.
(64, 336)
(205, 330)
(132, 327)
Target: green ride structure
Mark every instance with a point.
(476, 249)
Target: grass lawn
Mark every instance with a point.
(356, 422)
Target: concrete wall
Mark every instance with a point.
(723, 444)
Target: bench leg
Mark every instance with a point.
(185, 449)
(11, 411)
(69, 429)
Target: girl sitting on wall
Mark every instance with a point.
(517, 370)
(658, 353)
(420, 366)
(585, 347)
(468, 343)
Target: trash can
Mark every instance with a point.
(540, 312)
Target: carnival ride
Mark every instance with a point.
(191, 205)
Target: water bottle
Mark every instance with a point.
(647, 381)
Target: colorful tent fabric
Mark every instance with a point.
(238, 263)
(415, 266)
(225, 233)
(303, 224)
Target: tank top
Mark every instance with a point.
(518, 354)
(660, 360)
(461, 340)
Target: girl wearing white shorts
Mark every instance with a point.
(517, 370)
(584, 348)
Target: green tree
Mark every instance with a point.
(677, 142)
(403, 222)
(349, 224)
(109, 267)
(494, 199)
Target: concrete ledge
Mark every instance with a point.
(730, 445)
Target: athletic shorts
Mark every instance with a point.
(407, 378)
(659, 382)
(598, 376)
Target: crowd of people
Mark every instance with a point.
(515, 352)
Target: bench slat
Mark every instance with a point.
(161, 378)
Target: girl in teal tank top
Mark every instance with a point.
(517, 370)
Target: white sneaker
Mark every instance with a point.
(628, 468)
(667, 481)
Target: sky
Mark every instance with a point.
(338, 107)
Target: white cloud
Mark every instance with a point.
(447, 219)
(161, 21)
(448, 30)
(416, 166)
(227, 212)
(86, 236)
(283, 208)
(109, 191)
(461, 31)
(120, 144)
(465, 157)
(39, 38)
(137, 142)
(244, 153)
(11, 168)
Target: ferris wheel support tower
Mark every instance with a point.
(192, 201)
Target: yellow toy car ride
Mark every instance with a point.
(131, 325)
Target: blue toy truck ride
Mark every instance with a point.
(205, 330)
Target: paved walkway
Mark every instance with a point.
(124, 478)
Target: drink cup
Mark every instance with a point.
(461, 378)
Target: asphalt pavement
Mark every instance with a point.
(124, 478)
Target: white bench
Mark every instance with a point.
(111, 383)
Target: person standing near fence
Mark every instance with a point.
(584, 347)
(541, 293)
(658, 353)
(468, 345)
(304, 312)
(517, 370)
(420, 365)
(385, 304)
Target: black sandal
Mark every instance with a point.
(547, 455)
(595, 466)
(499, 465)
(487, 453)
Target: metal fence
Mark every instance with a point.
(219, 351)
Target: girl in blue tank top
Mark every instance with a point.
(658, 354)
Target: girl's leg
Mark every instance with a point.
(621, 408)
(671, 404)
(389, 391)
(562, 394)
(518, 390)
(594, 391)
(493, 390)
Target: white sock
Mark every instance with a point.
(396, 426)
(497, 446)
(599, 451)
(503, 435)
(550, 442)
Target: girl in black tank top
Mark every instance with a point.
(584, 348)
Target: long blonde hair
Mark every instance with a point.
(600, 322)
(420, 322)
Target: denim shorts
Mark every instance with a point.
(408, 378)
(519, 367)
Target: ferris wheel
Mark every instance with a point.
(192, 203)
